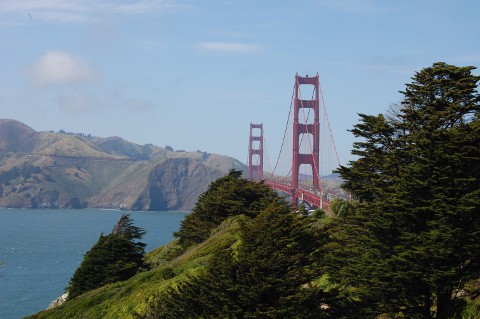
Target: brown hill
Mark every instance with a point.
(66, 170)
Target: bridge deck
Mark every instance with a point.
(303, 195)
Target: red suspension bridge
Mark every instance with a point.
(307, 153)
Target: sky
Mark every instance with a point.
(194, 74)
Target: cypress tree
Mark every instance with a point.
(265, 275)
(417, 178)
(228, 196)
(114, 257)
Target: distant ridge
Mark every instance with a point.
(69, 170)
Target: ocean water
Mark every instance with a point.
(40, 249)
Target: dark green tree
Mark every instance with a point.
(341, 207)
(319, 214)
(265, 275)
(417, 179)
(115, 257)
(350, 256)
(273, 271)
(228, 196)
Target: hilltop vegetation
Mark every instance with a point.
(115, 257)
(67, 170)
(417, 181)
(406, 247)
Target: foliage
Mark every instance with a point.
(115, 257)
(126, 228)
(349, 256)
(25, 171)
(471, 310)
(341, 207)
(319, 214)
(164, 254)
(264, 275)
(302, 210)
(123, 299)
(417, 179)
(228, 196)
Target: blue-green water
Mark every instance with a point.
(40, 250)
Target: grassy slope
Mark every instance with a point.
(123, 299)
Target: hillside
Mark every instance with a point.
(124, 299)
(254, 211)
(66, 170)
(257, 260)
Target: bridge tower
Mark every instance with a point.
(299, 128)
(255, 152)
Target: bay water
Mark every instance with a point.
(41, 248)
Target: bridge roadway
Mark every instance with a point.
(304, 195)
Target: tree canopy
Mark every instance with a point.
(264, 275)
(417, 180)
(228, 196)
(114, 257)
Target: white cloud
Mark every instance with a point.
(56, 67)
(230, 47)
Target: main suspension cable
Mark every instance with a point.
(328, 122)
(284, 133)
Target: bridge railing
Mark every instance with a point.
(316, 198)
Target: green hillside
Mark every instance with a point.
(124, 299)
(171, 265)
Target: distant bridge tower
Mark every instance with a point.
(255, 152)
(306, 128)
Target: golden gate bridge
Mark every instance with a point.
(307, 156)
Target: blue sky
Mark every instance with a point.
(195, 74)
